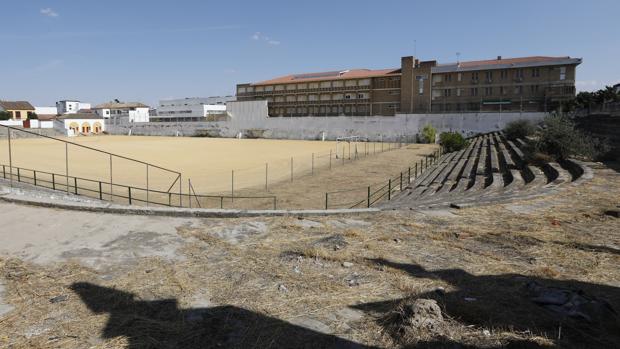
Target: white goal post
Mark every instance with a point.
(350, 142)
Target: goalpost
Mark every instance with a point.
(349, 142)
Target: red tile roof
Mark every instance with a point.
(532, 59)
(332, 75)
(17, 105)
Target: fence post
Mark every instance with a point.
(147, 185)
(18, 175)
(416, 169)
(326, 200)
(3, 171)
(170, 199)
(330, 159)
(75, 185)
(53, 182)
(368, 196)
(266, 176)
(67, 165)
(221, 202)
(111, 185)
(189, 193)
(389, 189)
(232, 186)
(35, 178)
(100, 192)
(401, 181)
(10, 158)
(409, 175)
(274, 203)
(343, 155)
(129, 188)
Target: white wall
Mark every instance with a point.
(139, 115)
(250, 119)
(45, 110)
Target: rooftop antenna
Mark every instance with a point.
(458, 58)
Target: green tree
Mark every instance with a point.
(5, 115)
(428, 134)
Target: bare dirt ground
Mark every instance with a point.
(216, 166)
(348, 182)
(496, 272)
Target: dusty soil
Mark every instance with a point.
(209, 163)
(317, 282)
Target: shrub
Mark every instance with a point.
(33, 116)
(5, 115)
(428, 134)
(561, 139)
(518, 129)
(452, 141)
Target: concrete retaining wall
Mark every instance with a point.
(251, 120)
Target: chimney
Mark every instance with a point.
(499, 58)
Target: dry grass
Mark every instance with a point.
(474, 264)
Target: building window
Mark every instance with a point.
(474, 76)
(502, 90)
(459, 76)
(504, 74)
(562, 73)
(326, 84)
(458, 92)
(489, 76)
(534, 88)
(518, 90)
(535, 72)
(448, 78)
(420, 86)
(447, 92)
(519, 74)
(348, 96)
(474, 91)
(488, 91)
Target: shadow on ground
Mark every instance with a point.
(581, 314)
(161, 324)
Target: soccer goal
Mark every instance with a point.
(347, 147)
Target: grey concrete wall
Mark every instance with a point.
(251, 120)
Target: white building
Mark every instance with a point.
(70, 107)
(130, 111)
(191, 109)
(82, 124)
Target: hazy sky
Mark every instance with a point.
(138, 50)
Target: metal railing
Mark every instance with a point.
(372, 194)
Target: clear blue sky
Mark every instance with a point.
(138, 50)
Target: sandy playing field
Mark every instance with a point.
(208, 162)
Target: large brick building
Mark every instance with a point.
(502, 84)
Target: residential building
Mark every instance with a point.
(127, 111)
(82, 123)
(70, 106)
(191, 109)
(512, 84)
(19, 110)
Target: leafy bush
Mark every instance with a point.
(33, 116)
(561, 139)
(452, 141)
(4, 115)
(518, 129)
(428, 134)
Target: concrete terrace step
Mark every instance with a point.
(491, 168)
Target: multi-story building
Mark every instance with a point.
(512, 84)
(129, 111)
(70, 107)
(191, 109)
